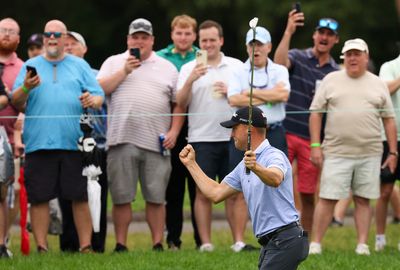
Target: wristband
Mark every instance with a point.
(25, 90)
(314, 145)
(394, 153)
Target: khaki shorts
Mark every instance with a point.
(360, 175)
(126, 164)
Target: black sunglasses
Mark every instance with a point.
(55, 34)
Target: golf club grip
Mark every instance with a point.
(248, 146)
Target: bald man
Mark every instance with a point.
(56, 90)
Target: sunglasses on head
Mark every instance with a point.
(142, 25)
(328, 23)
(55, 34)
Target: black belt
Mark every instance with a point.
(263, 240)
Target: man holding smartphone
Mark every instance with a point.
(56, 90)
(306, 69)
(142, 97)
(180, 52)
(203, 88)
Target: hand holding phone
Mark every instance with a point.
(135, 52)
(201, 57)
(32, 70)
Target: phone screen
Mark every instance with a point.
(135, 52)
(32, 70)
(297, 7)
(201, 57)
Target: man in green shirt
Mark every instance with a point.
(181, 51)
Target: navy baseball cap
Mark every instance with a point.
(35, 39)
(241, 116)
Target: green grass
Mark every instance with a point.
(139, 204)
(338, 253)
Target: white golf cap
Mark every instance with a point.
(262, 35)
(78, 37)
(355, 44)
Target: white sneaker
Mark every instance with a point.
(380, 245)
(238, 246)
(362, 249)
(315, 248)
(207, 247)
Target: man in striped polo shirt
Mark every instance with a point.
(306, 69)
(141, 89)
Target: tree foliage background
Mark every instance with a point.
(104, 23)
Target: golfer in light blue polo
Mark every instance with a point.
(268, 191)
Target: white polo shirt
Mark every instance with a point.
(206, 109)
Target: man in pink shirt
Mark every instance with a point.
(10, 65)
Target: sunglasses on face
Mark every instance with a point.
(142, 25)
(55, 34)
(328, 23)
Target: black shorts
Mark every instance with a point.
(54, 173)
(213, 158)
(397, 171)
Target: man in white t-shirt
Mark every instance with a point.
(350, 157)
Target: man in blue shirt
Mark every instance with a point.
(268, 191)
(53, 162)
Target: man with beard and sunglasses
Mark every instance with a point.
(306, 69)
(10, 65)
(53, 163)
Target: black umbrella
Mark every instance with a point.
(91, 167)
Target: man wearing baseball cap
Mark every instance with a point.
(306, 70)
(270, 86)
(350, 155)
(75, 44)
(267, 189)
(140, 86)
(270, 92)
(35, 45)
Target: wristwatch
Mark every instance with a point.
(394, 153)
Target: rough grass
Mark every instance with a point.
(338, 245)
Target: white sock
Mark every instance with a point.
(380, 238)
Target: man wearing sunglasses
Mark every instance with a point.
(53, 164)
(306, 69)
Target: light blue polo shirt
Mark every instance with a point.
(53, 107)
(269, 207)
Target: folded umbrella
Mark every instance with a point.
(91, 168)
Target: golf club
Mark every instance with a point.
(253, 25)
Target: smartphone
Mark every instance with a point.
(201, 57)
(32, 70)
(135, 52)
(297, 7)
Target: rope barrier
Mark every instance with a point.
(205, 114)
